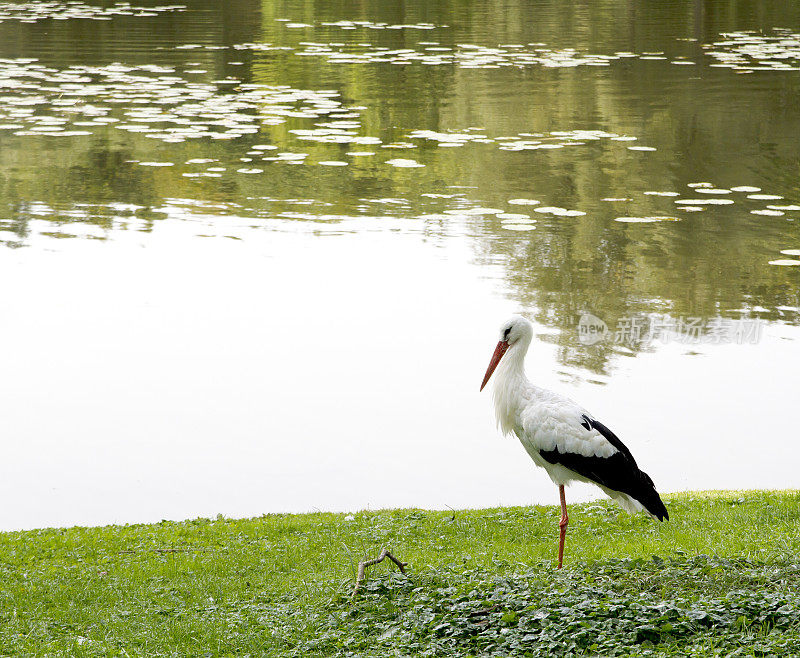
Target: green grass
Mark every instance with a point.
(723, 576)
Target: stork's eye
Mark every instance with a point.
(506, 332)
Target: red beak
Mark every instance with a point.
(501, 348)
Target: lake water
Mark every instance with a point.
(255, 255)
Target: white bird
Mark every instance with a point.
(561, 436)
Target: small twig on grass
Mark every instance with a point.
(362, 567)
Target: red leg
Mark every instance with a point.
(563, 525)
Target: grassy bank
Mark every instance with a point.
(722, 576)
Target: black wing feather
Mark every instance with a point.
(618, 472)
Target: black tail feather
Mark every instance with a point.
(647, 495)
(618, 472)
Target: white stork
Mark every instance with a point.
(562, 437)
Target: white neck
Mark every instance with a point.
(510, 383)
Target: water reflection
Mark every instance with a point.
(611, 145)
(613, 159)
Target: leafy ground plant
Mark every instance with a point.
(680, 606)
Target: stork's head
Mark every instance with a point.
(515, 331)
